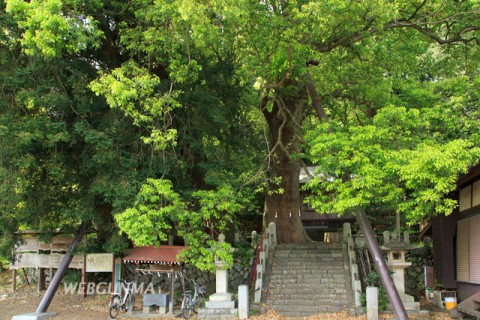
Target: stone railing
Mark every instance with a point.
(353, 266)
(265, 250)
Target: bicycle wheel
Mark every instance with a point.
(196, 306)
(128, 301)
(114, 306)
(186, 307)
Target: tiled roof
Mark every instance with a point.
(157, 255)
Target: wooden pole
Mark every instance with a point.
(25, 276)
(134, 289)
(62, 268)
(41, 280)
(84, 276)
(170, 303)
(112, 285)
(381, 266)
(14, 280)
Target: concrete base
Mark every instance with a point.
(408, 302)
(220, 297)
(35, 316)
(220, 304)
(409, 306)
(218, 314)
(140, 314)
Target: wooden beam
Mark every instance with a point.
(41, 280)
(170, 303)
(25, 276)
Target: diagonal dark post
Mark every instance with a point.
(381, 266)
(62, 268)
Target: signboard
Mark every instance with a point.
(99, 262)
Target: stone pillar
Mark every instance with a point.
(273, 235)
(255, 241)
(357, 293)
(265, 246)
(347, 231)
(243, 302)
(386, 237)
(262, 261)
(354, 274)
(221, 299)
(258, 283)
(372, 303)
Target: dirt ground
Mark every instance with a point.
(75, 307)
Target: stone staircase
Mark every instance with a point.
(308, 279)
(471, 306)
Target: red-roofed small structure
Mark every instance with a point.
(162, 259)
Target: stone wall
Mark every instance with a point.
(415, 275)
(236, 276)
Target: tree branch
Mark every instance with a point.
(316, 99)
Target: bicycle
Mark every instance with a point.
(117, 302)
(190, 303)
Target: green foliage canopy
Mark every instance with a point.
(172, 135)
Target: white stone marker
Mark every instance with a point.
(243, 301)
(372, 303)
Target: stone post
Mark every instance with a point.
(255, 241)
(221, 298)
(243, 301)
(406, 237)
(386, 237)
(372, 303)
(265, 246)
(272, 235)
(347, 231)
(262, 261)
(357, 292)
(354, 274)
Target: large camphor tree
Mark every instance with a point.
(368, 90)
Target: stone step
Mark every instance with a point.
(306, 291)
(300, 301)
(311, 263)
(314, 245)
(307, 271)
(307, 309)
(282, 299)
(290, 256)
(310, 274)
(307, 279)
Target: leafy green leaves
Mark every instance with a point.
(138, 94)
(158, 211)
(153, 214)
(52, 26)
(395, 162)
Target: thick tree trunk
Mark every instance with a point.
(283, 202)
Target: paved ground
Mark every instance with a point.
(74, 307)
